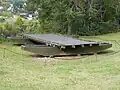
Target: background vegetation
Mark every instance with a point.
(18, 71)
(73, 17)
(81, 17)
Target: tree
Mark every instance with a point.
(17, 5)
(5, 3)
(84, 17)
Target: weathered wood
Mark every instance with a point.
(19, 40)
(73, 46)
(52, 51)
(57, 40)
(51, 45)
(90, 45)
(82, 45)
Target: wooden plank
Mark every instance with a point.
(57, 40)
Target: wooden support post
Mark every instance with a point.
(50, 44)
(47, 44)
(3, 52)
(63, 47)
(73, 46)
(54, 45)
(82, 45)
(51, 56)
(90, 45)
(45, 62)
(79, 55)
(96, 56)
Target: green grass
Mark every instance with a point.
(21, 72)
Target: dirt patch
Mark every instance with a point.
(68, 57)
(47, 61)
(2, 46)
(55, 57)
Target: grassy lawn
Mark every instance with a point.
(21, 72)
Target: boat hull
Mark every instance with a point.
(20, 41)
(56, 51)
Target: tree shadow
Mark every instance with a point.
(72, 56)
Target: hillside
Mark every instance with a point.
(19, 71)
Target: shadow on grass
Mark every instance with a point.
(69, 57)
(106, 52)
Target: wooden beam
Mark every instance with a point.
(73, 46)
(47, 44)
(63, 47)
(54, 45)
(90, 45)
(82, 45)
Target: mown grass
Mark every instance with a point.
(21, 72)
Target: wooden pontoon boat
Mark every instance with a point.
(55, 45)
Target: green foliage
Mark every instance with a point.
(32, 27)
(12, 28)
(6, 14)
(19, 26)
(83, 17)
(5, 4)
(76, 17)
(17, 5)
(2, 19)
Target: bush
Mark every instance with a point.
(6, 14)
(11, 28)
(80, 17)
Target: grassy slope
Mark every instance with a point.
(19, 72)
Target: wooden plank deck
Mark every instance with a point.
(57, 40)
